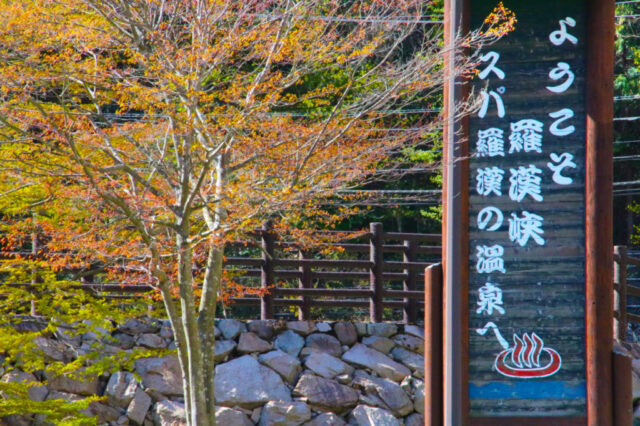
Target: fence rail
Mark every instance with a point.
(287, 262)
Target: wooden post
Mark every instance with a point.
(599, 210)
(304, 311)
(34, 269)
(455, 223)
(410, 313)
(375, 273)
(622, 390)
(433, 345)
(266, 278)
(620, 294)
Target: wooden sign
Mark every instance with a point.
(526, 215)
(527, 211)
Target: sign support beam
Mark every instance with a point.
(599, 210)
(455, 223)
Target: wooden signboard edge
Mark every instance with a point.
(598, 224)
(599, 210)
(455, 224)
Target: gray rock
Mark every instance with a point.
(54, 350)
(361, 328)
(412, 343)
(285, 365)
(382, 329)
(28, 324)
(418, 396)
(364, 356)
(81, 386)
(346, 333)
(224, 348)
(228, 416)
(231, 328)
(248, 384)
(326, 419)
(169, 413)
(255, 414)
(103, 413)
(323, 327)
(412, 360)
(324, 394)
(250, 342)
(303, 328)
(140, 326)
(324, 343)
(161, 374)
(68, 334)
(16, 420)
(391, 394)
(97, 331)
(414, 419)
(166, 332)
(152, 341)
(138, 407)
(279, 413)
(35, 393)
(123, 340)
(289, 342)
(216, 332)
(326, 365)
(414, 330)
(121, 388)
(263, 328)
(363, 415)
(381, 344)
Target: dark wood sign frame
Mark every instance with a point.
(598, 223)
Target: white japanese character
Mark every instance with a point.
(525, 227)
(561, 115)
(486, 215)
(525, 181)
(558, 37)
(490, 143)
(527, 135)
(489, 298)
(564, 160)
(563, 70)
(490, 259)
(493, 57)
(486, 97)
(489, 180)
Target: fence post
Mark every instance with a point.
(304, 312)
(266, 278)
(433, 345)
(620, 293)
(410, 314)
(375, 273)
(622, 389)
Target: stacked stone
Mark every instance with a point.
(267, 373)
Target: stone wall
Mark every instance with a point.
(267, 373)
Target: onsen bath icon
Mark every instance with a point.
(527, 359)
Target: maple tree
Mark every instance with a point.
(143, 135)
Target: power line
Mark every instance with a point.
(626, 98)
(625, 142)
(626, 118)
(626, 157)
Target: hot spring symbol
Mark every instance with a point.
(528, 358)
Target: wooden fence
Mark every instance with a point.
(293, 276)
(622, 290)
